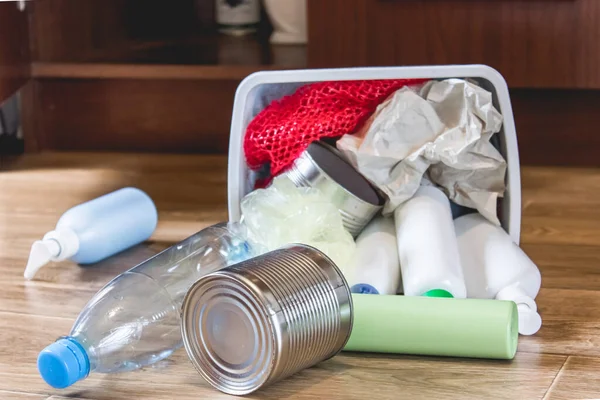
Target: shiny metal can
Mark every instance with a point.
(323, 168)
(264, 319)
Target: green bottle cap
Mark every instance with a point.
(438, 293)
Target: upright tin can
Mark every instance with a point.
(321, 167)
(262, 320)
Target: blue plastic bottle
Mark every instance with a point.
(96, 229)
(134, 320)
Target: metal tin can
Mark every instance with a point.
(264, 319)
(354, 196)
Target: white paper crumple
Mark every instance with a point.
(283, 213)
(442, 131)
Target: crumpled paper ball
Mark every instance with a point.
(442, 133)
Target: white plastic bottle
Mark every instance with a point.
(375, 268)
(496, 268)
(427, 246)
(96, 229)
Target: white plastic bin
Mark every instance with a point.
(256, 91)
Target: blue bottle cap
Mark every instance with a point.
(63, 363)
(363, 288)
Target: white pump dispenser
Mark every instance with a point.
(96, 229)
(57, 245)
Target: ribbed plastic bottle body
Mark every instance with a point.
(134, 320)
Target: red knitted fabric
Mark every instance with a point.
(285, 128)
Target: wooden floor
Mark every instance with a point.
(561, 232)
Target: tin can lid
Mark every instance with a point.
(228, 335)
(330, 162)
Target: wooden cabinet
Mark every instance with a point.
(547, 50)
(533, 43)
(14, 49)
(133, 75)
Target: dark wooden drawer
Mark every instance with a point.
(533, 43)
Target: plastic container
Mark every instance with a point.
(427, 246)
(258, 89)
(135, 319)
(96, 229)
(496, 268)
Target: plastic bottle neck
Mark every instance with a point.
(63, 363)
(67, 241)
(56, 245)
(529, 319)
(518, 295)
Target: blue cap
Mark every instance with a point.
(239, 252)
(363, 288)
(63, 363)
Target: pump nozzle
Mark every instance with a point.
(41, 253)
(55, 246)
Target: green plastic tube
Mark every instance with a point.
(434, 326)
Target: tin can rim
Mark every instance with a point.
(190, 331)
(336, 153)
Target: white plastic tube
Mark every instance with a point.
(427, 246)
(496, 268)
(375, 268)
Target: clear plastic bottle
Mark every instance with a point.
(134, 320)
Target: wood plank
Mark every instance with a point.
(568, 383)
(8, 395)
(121, 107)
(115, 31)
(36, 298)
(30, 108)
(556, 127)
(181, 211)
(560, 231)
(73, 30)
(558, 208)
(559, 185)
(146, 71)
(571, 323)
(14, 49)
(189, 191)
(566, 266)
(135, 115)
(337, 33)
(347, 376)
(539, 34)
